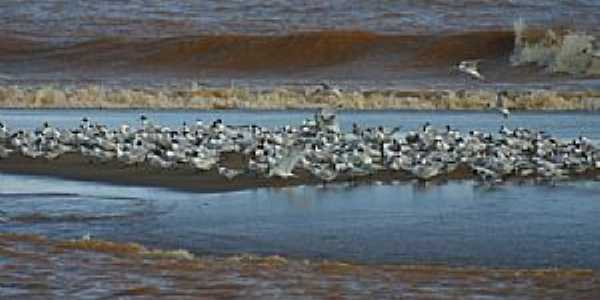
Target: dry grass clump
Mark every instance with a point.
(101, 246)
(542, 100)
(14, 237)
(170, 254)
(469, 100)
(94, 96)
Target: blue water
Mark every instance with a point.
(559, 124)
(457, 223)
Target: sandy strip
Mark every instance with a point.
(77, 167)
(184, 178)
(185, 97)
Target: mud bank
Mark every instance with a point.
(78, 167)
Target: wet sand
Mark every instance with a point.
(183, 178)
(34, 266)
(77, 167)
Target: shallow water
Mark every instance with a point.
(457, 223)
(559, 124)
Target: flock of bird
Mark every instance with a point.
(317, 146)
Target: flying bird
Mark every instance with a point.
(471, 68)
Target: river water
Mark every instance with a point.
(279, 242)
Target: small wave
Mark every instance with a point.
(38, 195)
(129, 269)
(69, 218)
(119, 198)
(15, 45)
(315, 55)
(448, 49)
(559, 51)
(102, 246)
(16, 196)
(246, 52)
(124, 248)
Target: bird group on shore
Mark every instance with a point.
(317, 146)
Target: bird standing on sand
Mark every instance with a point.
(5, 152)
(500, 104)
(143, 120)
(3, 131)
(316, 147)
(471, 68)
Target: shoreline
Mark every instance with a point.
(77, 167)
(291, 97)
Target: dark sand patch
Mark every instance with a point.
(184, 178)
(77, 167)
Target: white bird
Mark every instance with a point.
(229, 173)
(324, 173)
(484, 173)
(202, 164)
(285, 165)
(425, 172)
(30, 152)
(504, 111)
(4, 134)
(5, 152)
(326, 120)
(316, 148)
(471, 68)
(157, 162)
(328, 90)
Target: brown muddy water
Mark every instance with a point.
(37, 268)
(251, 43)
